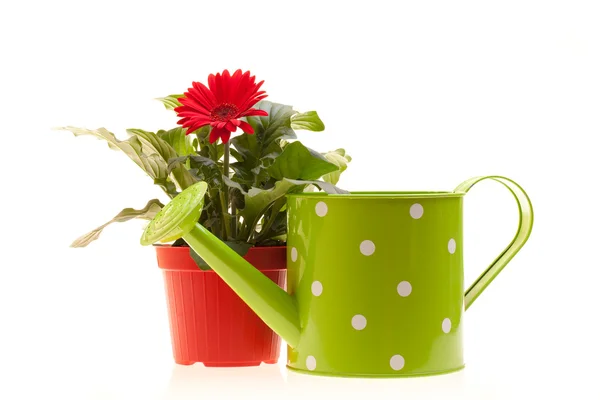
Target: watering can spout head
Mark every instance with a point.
(179, 219)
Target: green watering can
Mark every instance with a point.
(375, 280)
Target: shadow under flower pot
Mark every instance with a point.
(209, 322)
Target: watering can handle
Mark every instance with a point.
(523, 232)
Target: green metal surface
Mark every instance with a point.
(375, 280)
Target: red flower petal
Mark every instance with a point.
(246, 127)
(192, 113)
(253, 101)
(225, 137)
(230, 127)
(233, 91)
(205, 93)
(192, 100)
(249, 96)
(213, 86)
(217, 133)
(245, 82)
(251, 112)
(191, 124)
(198, 122)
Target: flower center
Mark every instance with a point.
(224, 112)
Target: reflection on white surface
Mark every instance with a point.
(199, 382)
(275, 381)
(364, 386)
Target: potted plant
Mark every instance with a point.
(248, 176)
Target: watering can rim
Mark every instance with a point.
(375, 195)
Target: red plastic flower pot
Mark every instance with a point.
(209, 322)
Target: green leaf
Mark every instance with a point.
(339, 158)
(178, 140)
(202, 134)
(277, 230)
(236, 193)
(278, 240)
(239, 247)
(146, 157)
(214, 217)
(248, 148)
(233, 184)
(242, 174)
(171, 101)
(147, 213)
(300, 162)
(274, 125)
(167, 186)
(234, 153)
(261, 174)
(153, 143)
(258, 201)
(267, 131)
(209, 170)
(274, 221)
(179, 243)
(309, 121)
(209, 162)
(324, 186)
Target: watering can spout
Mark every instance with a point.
(271, 303)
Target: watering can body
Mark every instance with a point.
(375, 280)
(378, 281)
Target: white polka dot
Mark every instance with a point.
(451, 246)
(359, 322)
(294, 254)
(397, 362)
(416, 211)
(311, 363)
(446, 325)
(321, 209)
(316, 288)
(367, 247)
(404, 288)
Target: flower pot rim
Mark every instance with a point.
(187, 247)
(261, 257)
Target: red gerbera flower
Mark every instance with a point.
(227, 99)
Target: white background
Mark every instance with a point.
(422, 94)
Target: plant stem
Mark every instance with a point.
(225, 195)
(265, 228)
(226, 169)
(234, 220)
(224, 217)
(230, 203)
